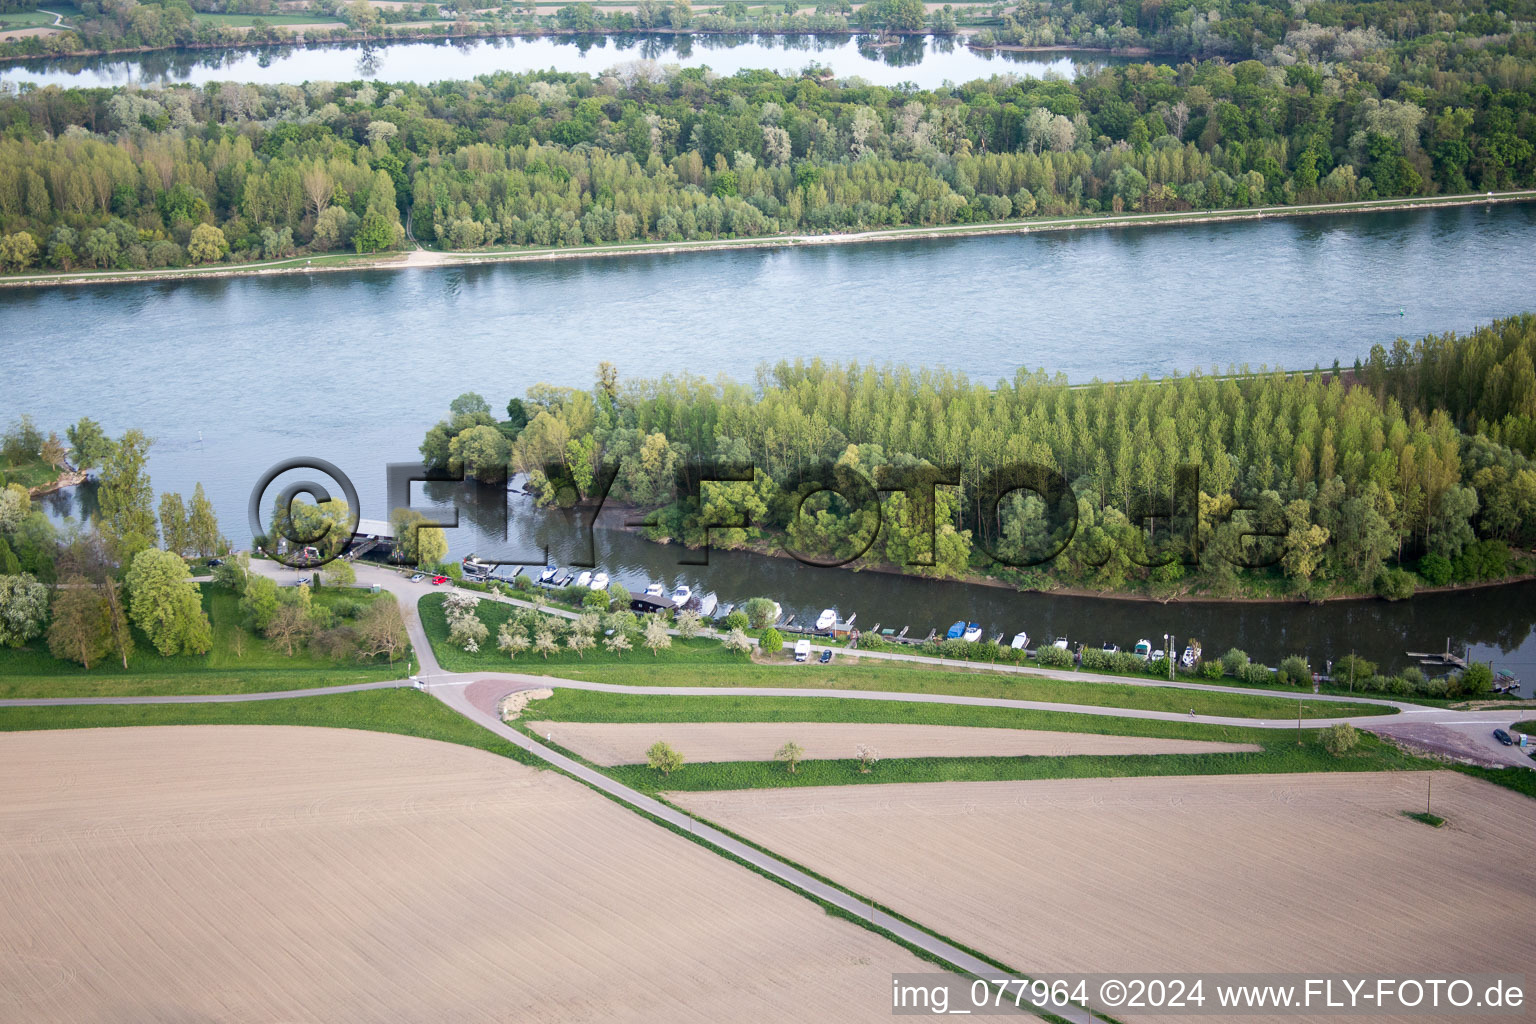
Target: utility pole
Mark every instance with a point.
(1298, 721)
(1429, 791)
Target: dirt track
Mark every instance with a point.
(1236, 873)
(625, 743)
(259, 874)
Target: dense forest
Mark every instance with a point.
(1414, 467)
(113, 178)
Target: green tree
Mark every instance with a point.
(125, 513)
(80, 630)
(166, 605)
(259, 602)
(663, 758)
(791, 753)
(173, 523)
(203, 535)
(23, 608)
(89, 445)
(207, 244)
(771, 643)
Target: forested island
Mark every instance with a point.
(1410, 469)
(128, 178)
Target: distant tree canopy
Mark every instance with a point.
(1331, 480)
(128, 178)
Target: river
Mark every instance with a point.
(232, 375)
(925, 62)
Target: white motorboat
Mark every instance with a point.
(707, 606)
(681, 594)
(655, 590)
(599, 581)
(972, 633)
(1061, 642)
(548, 575)
(827, 619)
(584, 578)
(1020, 640)
(1143, 648)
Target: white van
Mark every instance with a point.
(802, 650)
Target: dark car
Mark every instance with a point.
(826, 656)
(212, 562)
(1503, 737)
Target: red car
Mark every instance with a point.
(438, 581)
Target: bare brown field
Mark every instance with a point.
(262, 874)
(23, 33)
(1288, 873)
(610, 743)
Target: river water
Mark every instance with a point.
(926, 63)
(232, 375)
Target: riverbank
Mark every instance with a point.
(310, 35)
(426, 258)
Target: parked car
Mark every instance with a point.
(214, 563)
(826, 656)
(418, 577)
(1503, 737)
(802, 650)
(438, 581)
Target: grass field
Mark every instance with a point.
(703, 662)
(240, 662)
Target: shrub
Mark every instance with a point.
(1294, 671)
(1054, 656)
(1339, 739)
(1234, 662)
(1211, 669)
(1394, 584)
(1158, 667)
(1475, 679)
(663, 758)
(597, 600)
(771, 642)
(738, 620)
(1257, 674)
(1436, 569)
(1352, 668)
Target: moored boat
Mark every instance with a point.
(827, 619)
(681, 594)
(956, 631)
(1020, 641)
(972, 633)
(1143, 648)
(599, 581)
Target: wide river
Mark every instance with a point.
(232, 375)
(926, 63)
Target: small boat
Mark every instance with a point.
(778, 611)
(956, 631)
(827, 619)
(1111, 648)
(972, 633)
(1060, 641)
(548, 575)
(1020, 641)
(724, 610)
(681, 594)
(1158, 654)
(599, 581)
(1191, 654)
(583, 579)
(1143, 649)
(707, 606)
(655, 590)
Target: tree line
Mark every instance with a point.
(100, 589)
(128, 178)
(1344, 480)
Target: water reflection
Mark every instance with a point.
(925, 62)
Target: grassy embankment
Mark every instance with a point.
(32, 473)
(240, 662)
(1281, 751)
(703, 662)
